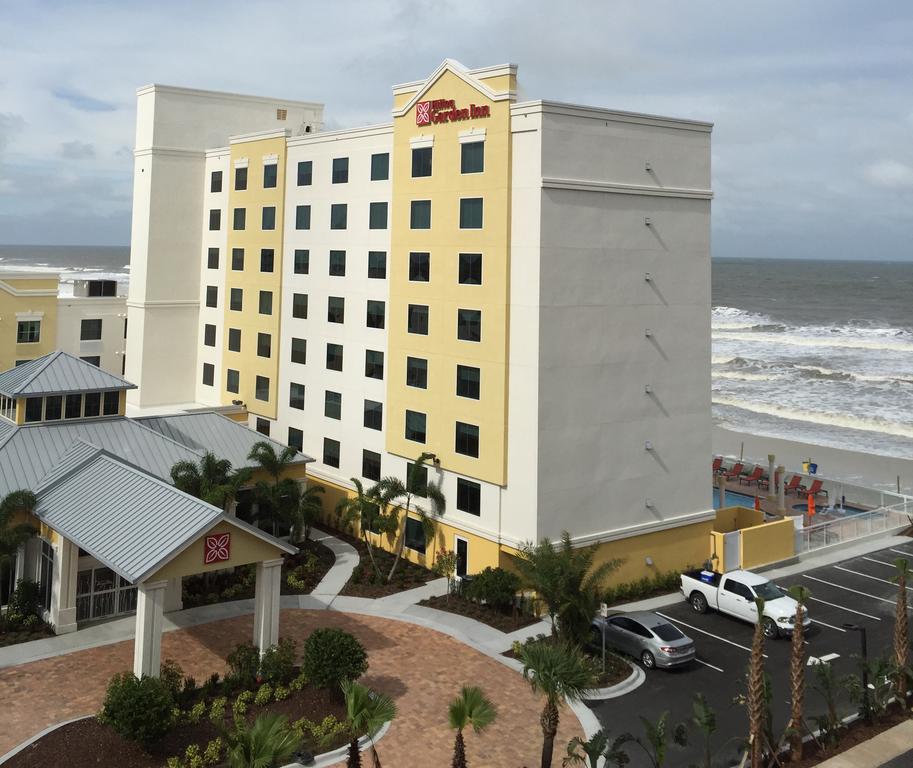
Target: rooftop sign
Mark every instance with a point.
(446, 111)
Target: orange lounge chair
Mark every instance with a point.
(793, 484)
(764, 482)
(754, 477)
(815, 489)
(717, 465)
(735, 471)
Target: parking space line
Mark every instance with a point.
(704, 632)
(844, 608)
(902, 552)
(701, 661)
(848, 589)
(830, 626)
(866, 576)
(880, 562)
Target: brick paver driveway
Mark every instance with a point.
(420, 668)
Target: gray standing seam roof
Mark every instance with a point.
(58, 373)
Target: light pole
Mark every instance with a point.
(604, 613)
(866, 708)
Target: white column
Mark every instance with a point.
(174, 598)
(266, 603)
(147, 643)
(721, 483)
(771, 474)
(63, 587)
(20, 565)
(781, 493)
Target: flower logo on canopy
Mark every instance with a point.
(217, 548)
(423, 113)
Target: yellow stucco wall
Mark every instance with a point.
(735, 518)
(768, 543)
(251, 280)
(44, 300)
(443, 294)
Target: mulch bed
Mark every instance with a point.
(504, 622)
(617, 670)
(14, 636)
(363, 581)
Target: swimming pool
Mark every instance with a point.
(847, 509)
(733, 499)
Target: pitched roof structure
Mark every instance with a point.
(58, 373)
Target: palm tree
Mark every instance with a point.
(704, 719)
(588, 753)
(366, 713)
(364, 509)
(15, 509)
(655, 742)
(211, 480)
(391, 492)
(901, 628)
(559, 671)
(797, 673)
(280, 498)
(470, 708)
(308, 512)
(755, 698)
(269, 741)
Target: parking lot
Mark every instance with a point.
(857, 591)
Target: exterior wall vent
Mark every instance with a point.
(281, 114)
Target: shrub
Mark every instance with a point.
(644, 587)
(278, 663)
(172, 677)
(211, 686)
(494, 586)
(243, 664)
(331, 656)
(213, 752)
(319, 736)
(217, 711)
(239, 708)
(24, 605)
(196, 712)
(299, 682)
(264, 694)
(137, 708)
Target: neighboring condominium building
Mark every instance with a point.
(520, 288)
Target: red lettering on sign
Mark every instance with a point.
(446, 111)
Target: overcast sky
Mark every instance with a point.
(812, 101)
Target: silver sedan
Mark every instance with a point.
(645, 636)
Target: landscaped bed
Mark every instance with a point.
(505, 621)
(11, 636)
(364, 581)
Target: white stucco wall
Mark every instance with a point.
(112, 311)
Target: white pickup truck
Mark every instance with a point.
(735, 592)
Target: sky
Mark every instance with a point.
(811, 101)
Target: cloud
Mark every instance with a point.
(82, 102)
(10, 125)
(77, 150)
(890, 174)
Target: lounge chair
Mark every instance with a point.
(735, 471)
(793, 484)
(815, 489)
(764, 482)
(717, 465)
(754, 477)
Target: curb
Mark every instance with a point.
(32, 739)
(631, 683)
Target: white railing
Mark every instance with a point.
(881, 520)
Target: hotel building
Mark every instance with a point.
(521, 288)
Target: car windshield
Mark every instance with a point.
(667, 632)
(768, 591)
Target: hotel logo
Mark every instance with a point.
(446, 111)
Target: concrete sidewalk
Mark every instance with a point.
(889, 749)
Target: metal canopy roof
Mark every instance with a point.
(58, 373)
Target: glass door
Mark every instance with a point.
(100, 592)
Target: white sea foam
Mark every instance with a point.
(884, 343)
(745, 376)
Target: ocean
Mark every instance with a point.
(73, 262)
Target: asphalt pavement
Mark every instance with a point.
(855, 591)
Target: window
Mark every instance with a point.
(334, 357)
(73, 407)
(111, 403)
(336, 309)
(237, 259)
(374, 414)
(53, 405)
(469, 324)
(370, 465)
(213, 258)
(374, 364)
(215, 181)
(332, 404)
(209, 335)
(33, 409)
(209, 374)
(232, 381)
(296, 396)
(215, 219)
(300, 305)
(418, 319)
(415, 535)
(28, 331)
(302, 217)
(339, 214)
(296, 439)
(421, 478)
(268, 218)
(416, 372)
(302, 261)
(267, 259)
(261, 388)
(470, 268)
(471, 213)
(469, 495)
(92, 359)
(375, 316)
(377, 216)
(467, 439)
(377, 265)
(46, 574)
(421, 162)
(240, 218)
(271, 175)
(738, 588)
(419, 267)
(234, 339)
(264, 345)
(266, 303)
(263, 426)
(299, 350)
(337, 263)
(236, 301)
(340, 170)
(212, 296)
(467, 381)
(92, 404)
(305, 173)
(90, 330)
(380, 167)
(415, 426)
(330, 452)
(240, 178)
(420, 214)
(472, 157)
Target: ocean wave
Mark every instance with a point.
(843, 342)
(745, 376)
(721, 360)
(845, 421)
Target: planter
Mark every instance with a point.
(631, 683)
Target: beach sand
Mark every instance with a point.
(854, 467)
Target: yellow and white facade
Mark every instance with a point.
(520, 288)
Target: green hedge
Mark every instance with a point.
(648, 586)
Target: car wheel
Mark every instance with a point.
(698, 602)
(646, 658)
(770, 628)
